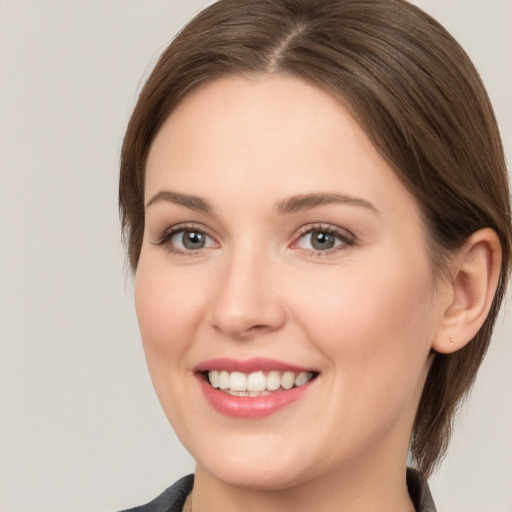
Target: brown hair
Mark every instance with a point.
(413, 90)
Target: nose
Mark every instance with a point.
(247, 302)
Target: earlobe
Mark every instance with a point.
(475, 273)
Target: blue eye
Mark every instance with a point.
(322, 240)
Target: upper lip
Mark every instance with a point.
(249, 365)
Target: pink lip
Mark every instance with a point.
(248, 365)
(251, 407)
(245, 406)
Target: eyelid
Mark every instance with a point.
(164, 237)
(344, 235)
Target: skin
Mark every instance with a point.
(364, 315)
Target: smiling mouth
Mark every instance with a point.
(257, 383)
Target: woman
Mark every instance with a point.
(315, 203)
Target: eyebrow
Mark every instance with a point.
(309, 201)
(289, 205)
(193, 202)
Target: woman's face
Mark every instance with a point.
(281, 250)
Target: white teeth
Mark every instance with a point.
(273, 381)
(247, 393)
(214, 378)
(256, 383)
(302, 378)
(288, 380)
(233, 392)
(237, 381)
(223, 380)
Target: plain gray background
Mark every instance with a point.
(80, 426)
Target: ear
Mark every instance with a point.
(474, 273)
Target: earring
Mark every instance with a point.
(452, 339)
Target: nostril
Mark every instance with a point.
(258, 327)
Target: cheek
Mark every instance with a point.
(169, 308)
(375, 327)
(376, 335)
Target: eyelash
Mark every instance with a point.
(165, 238)
(346, 238)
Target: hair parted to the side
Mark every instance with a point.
(412, 89)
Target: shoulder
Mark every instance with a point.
(171, 500)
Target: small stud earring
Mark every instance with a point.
(452, 339)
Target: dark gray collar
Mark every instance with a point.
(173, 499)
(419, 492)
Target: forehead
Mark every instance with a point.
(268, 130)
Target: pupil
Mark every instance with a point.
(322, 241)
(193, 240)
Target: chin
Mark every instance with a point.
(260, 464)
(256, 477)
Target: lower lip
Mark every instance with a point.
(250, 407)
